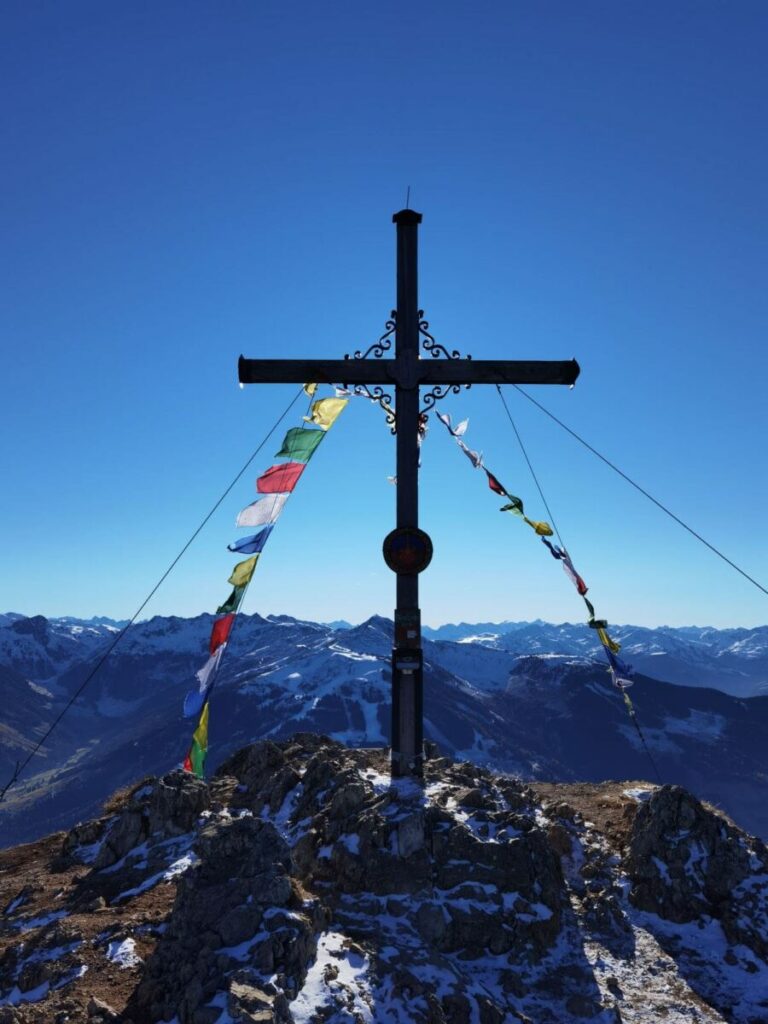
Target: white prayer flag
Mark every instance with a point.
(476, 458)
(208, 669)
(262, 512)
(459, 430)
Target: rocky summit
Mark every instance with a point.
(301, 885)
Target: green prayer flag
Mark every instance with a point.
(232, 602)
(515, 506)
(195, 759)
(299, 444)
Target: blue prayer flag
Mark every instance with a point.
(252, 545)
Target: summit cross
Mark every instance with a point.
(407, 550)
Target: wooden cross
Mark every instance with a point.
(407, 550)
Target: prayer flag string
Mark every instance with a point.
(619, 670)
(275, 485)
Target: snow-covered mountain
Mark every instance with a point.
(534, 701)
(732, 660)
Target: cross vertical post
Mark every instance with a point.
(407, 658)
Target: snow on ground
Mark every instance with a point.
(123, 953)
(337, 971)
(378, 781)
(641, 794)
(34, 995)
(14, 905)
(700, 949)
(41, 956)
(40, 922)
(179, 858)
(648, 984)
(15, 997)
(705, 726)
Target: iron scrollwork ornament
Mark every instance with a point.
(439, 391)
(384, 344)
(377, 393)
(436, 350)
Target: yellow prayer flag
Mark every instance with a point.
(200, 735)
(606, 641)
(309, 389)
(542, 529)
(326, 411)
(243, 571)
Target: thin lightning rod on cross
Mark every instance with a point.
(407, 549)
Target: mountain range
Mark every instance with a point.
(530, 699)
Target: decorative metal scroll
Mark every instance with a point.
(440, 391)
(436, 350)
(377, 393)
(384, 344)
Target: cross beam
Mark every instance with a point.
(407, 549)
(387, 371)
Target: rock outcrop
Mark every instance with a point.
(300, 884)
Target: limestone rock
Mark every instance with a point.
(98, 1009)
(300, 884)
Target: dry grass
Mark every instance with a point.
(120, 799)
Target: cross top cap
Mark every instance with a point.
(406, 217)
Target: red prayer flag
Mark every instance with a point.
(188, 764)
(494, 484)
(221, 628)
(281, 478)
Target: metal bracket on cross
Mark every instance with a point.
(377, 393)
(436, 350)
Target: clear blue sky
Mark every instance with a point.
(183, 182)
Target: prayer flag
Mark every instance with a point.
(619, 667)
(326, 411)
(280, 478)
(574, 577)
(262, 511)
(309, 389)
(606, 641)
(243, 572)
(232, 602)
(459, 430)
(195, 759)
(515, 506)
(554, 550)
(299, 444)
(494, 484)
(195, 699)
(476, 458)
(570, 571)
(220, 632)
(542, 529)
(252, 545)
